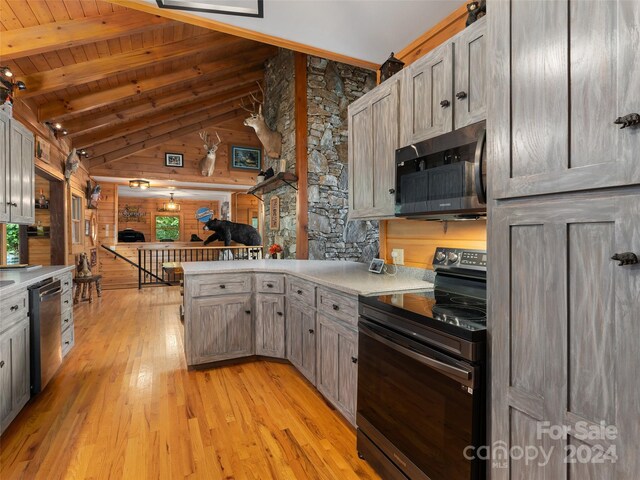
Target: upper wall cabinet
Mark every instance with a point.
(445, 89)
(373, 140)
(17, 170)
(426, 97)
(557, 87)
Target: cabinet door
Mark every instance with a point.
(373, 140)
(5, 179)
(301, 339)
(337, 373)
(562, 73)
(470, 73)
(270, 325)
(22, 175)
(571, 356)
(426, 102)
(15, 388)
(6, 387)
(221, 328)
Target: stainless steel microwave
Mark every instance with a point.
(443, 177)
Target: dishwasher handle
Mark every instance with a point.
(47, 295)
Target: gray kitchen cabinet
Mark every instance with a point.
(337, 369)
(14, 371)
(565, 329)
(426, 98)
(470, 74)
(221, 328)
(561, 73)
(373, 140)
(17, 194)
(270, 325)
(301, 338)
(67, 328)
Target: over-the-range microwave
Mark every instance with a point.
(443, 177)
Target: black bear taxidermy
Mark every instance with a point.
(232, 232)
(476, 10)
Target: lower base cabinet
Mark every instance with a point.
(14, 371)
(270, 326)
(337, 363)
(301, 338)
(221, 328)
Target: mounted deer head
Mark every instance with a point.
(208, 163)
(271, 140)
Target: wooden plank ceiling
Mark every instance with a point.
(123, 81)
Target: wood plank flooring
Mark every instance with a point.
(124, 406)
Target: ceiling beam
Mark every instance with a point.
(80, 126)
(173, 129)
(127, 133)
(73, 33)
(72, 75)
(61, 110)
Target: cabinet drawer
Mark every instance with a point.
(66, 319)
(66, 300)
(302, 291)
(340, 306)
(68, 340)
(12, 308)
(269, 283)
(222, 285)
(66, 280)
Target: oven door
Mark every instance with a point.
(420, 407)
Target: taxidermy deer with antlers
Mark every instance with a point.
(271, 140)
(208, 163)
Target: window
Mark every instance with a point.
(76, 219)
(13, 244)
(167, 228)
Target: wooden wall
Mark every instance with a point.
(150, 206)
(418, 238)
(40, 247)
(244, 207)
(150, 164)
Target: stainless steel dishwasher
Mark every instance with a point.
(45, 336)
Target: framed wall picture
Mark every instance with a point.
(246, 158)
(274, 213)
(94, 256)
(43, 149)
(173, 160)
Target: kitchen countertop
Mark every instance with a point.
(349, 277)
(24, 279)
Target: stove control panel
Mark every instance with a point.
(449, 258)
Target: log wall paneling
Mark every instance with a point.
(243, 208)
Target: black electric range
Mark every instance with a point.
(421, 374)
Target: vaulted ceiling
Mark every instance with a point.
(122, 81)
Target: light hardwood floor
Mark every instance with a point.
(123, 405)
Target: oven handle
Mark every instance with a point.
(449, 370)
(481, 190)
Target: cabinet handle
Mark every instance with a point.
(461, 95)
(247, 312)
(66, 343)
(66, 320)
(445, 103)
(299, 292)
(311, 331)
(14, 308)
(223, 286)
(629, 120)
(392, 191)
(280, 313)
(269, 285)
(66, 301)
(66, 283)
(336, 307)
(354, 360)
(626, 258)
(12, 204)
(1, 363)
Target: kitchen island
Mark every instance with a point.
(304, 311)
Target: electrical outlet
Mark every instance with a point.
(398, 256)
